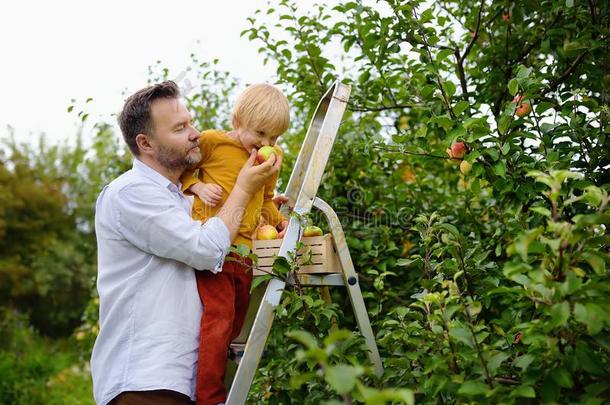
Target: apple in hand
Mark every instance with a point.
(457, 150)
(266, 232)
(312, 231)
(264, 153)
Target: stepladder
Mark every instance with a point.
(332, 254)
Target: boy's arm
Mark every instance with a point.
(187, 179)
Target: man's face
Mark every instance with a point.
(251, 138)
(175, 139)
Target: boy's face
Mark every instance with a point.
(251, 138)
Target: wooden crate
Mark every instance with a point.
(324, 257)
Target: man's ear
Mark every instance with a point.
(144, 144)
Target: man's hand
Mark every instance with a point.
(210, 194)
(252, 178)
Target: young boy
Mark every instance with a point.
(260, 116)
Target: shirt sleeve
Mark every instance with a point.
(153, 219)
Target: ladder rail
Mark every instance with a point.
(307, 148)
(351, 283)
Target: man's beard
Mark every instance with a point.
(172, 160)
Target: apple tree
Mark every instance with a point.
(485, 269)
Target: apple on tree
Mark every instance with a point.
(457, 150)
(523, 107)
(465, 167)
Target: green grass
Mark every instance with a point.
(38, 370)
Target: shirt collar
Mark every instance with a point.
(154, 175)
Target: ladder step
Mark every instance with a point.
(236, 351)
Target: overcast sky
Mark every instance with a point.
(55, 51)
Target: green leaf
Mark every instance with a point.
(337, 335)
(443, 54)
(562, 377)
(524, 361)
(560, 313)
(496, 361)
(541, 210)
(524, 391)
(449, 88)
(460, 107)
(242, 250)
(463, 335)
(342, 378)
(500, 169)
(569, 3)
(504, 123)
(474, 308)
(524, 240)
(407, 262)
(513, 86)
(596, 262)
(473, 388)
(523, 72)
(443, 121)
(258, 280)
(305, 338)
(298, 380)
(505, 149)
(451, 229)
(281, 266)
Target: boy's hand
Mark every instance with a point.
(252, 178)
(210, 194)
(283, 226)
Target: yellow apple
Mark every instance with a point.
(266, 232)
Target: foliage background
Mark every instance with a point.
(490, 286)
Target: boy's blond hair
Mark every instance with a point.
(261, 107)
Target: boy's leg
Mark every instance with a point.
(217, 293)
(243, 282)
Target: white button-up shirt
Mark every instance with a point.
(150, 311)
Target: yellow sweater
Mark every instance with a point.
(222, 158)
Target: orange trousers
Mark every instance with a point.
(225, 297)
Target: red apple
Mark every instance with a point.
(507, 16)
(312, 231)
(266, 232)
(457, 150)
(264, 153)
(523, 109)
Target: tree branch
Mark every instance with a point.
(461, 58)
(564, 76)
(362, 108)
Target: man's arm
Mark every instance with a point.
(155, 221)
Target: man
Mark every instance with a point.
(148, 246)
